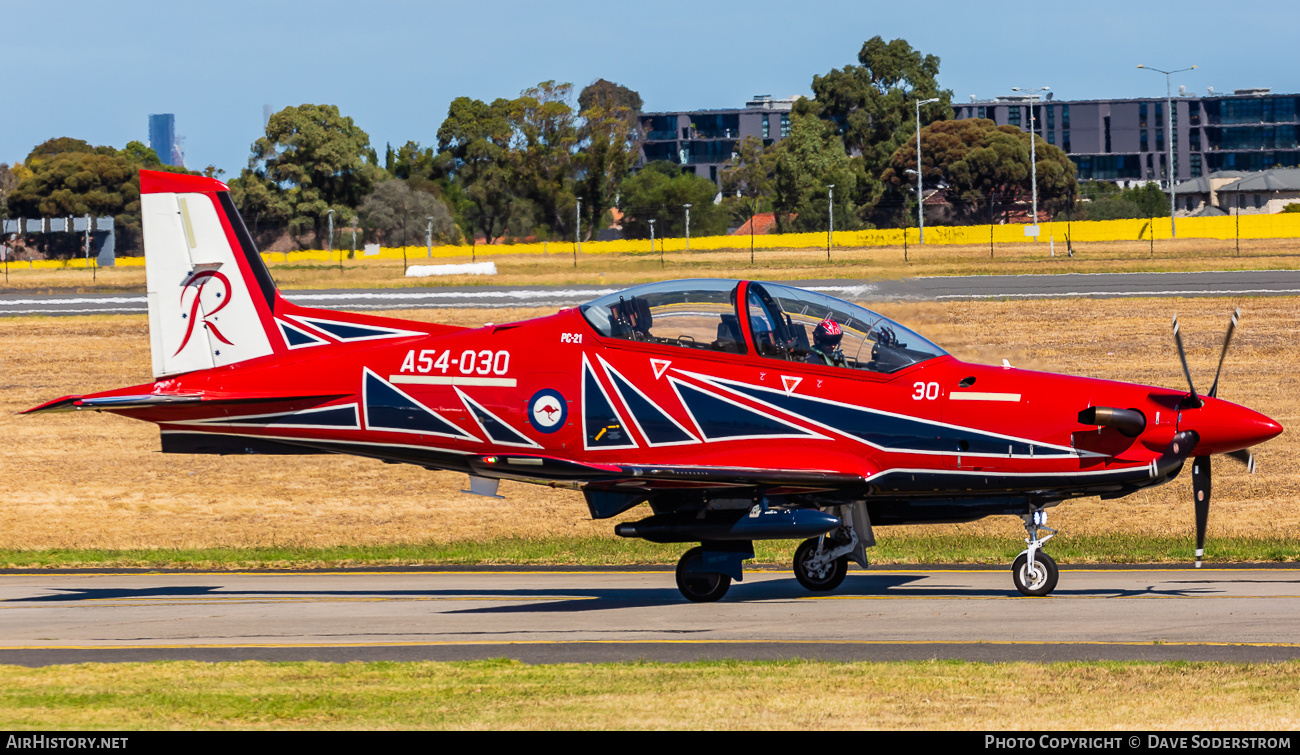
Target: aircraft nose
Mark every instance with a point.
(1223, 427)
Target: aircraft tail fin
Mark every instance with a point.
(211, 297)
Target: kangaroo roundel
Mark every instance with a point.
(547, 410)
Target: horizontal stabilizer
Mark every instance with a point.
(78, 403)
(154, 400)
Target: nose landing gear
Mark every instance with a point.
(1034, 572)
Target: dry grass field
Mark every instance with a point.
(96, 481)
(781, 264)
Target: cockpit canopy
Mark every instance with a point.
(783, 324)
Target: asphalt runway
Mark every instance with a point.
(549, 616)
(1098, 285)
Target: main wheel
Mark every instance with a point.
(1040, 580)
(699, 587)
(818, 578)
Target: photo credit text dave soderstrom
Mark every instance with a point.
(1136, 742)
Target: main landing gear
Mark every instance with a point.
(1034, 572)
(820, 565)
(706, 572)
(699, 586)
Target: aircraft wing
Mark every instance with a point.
(651, 476)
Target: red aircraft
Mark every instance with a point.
(737, 410)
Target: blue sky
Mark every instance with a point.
(96, 70)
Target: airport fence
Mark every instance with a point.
(1222, 228)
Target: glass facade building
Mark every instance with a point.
(162, 137)
(702, 141)
(1124, 140)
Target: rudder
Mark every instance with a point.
(211, 298)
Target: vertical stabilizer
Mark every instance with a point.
(211, 298)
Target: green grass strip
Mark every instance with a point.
(604, 551)
(507, 694)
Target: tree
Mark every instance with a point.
(749, 179)
(872, 105)
(141, 154)
(411, 161)
(611, 144)
(8, 181)
(399, 214)
(609, 96)
(67, 176)
(658, 191)
(262, 204)
(546, 133)
(809, 161)
(473, 159)
(61, 145)
(82, 180)
(985, 168)
(1109, 202)
(318, 156)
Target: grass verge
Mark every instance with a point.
(1117, 548)
(506, 694)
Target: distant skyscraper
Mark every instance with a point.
(267, 110)
(162, 138)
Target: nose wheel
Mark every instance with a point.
(1035, 579)
(1034, 572)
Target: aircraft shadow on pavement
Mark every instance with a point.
(579, 599)
(597, 599)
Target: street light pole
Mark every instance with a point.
(688, 227)
(1033, 153)
(920, 197)
(577, 232)
(652, 243)
(752, 207)
(1169, 134)
(329, 242)
(830, 215)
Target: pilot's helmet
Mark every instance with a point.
(827, 334)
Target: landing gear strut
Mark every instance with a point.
(1034, 572)
(819, 565)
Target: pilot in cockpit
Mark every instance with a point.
(826, 344)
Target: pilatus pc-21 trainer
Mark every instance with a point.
(735, 410)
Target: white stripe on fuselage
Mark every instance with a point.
(440, 380)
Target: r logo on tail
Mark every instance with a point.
(201, 278)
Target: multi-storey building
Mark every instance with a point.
(162, 138)
(701, 141)
(1124, 140)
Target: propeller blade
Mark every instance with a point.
(1227, 339)
(1245, 457)
(1182, 356)
(1201, 496)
